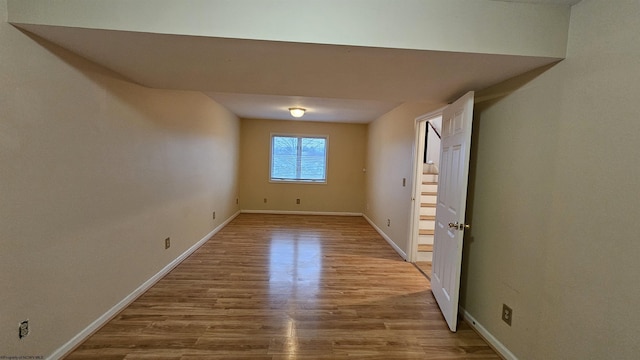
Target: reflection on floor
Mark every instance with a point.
(425, 267)
(287, 287)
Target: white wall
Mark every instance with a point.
(390, 158)
(556, 196)
(95, 173)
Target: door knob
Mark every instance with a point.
(458, 226)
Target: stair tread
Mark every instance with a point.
(425, 232)
(429, 183)
(425, 247)
(427, 217)
(427, 205)
(429, 193)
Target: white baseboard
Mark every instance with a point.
(387, 238)
(488, 337)
(286, 212)
(104, 318)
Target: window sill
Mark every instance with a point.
(283, 181)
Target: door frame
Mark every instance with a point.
(418, 153)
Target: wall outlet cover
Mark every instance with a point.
(507, 314)
(23, 329)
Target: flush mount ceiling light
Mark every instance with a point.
(297, 111)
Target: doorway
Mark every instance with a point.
(427, 162)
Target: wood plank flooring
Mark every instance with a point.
(287, 287)
(426, 267)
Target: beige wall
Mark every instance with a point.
(556, 199)
(390, 158)
(344, 190)
(95, 174)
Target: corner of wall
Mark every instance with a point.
(487, 336)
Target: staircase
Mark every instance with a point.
(428, 198)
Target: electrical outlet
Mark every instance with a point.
(388, 222)
(167, 243)
(23, 329)
(214, 215)
(404, 182)
(507, 314)
(237, 201)
(265, 200)
(298, 201)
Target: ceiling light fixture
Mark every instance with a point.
(297, 111)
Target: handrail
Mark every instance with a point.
(434, 129)
(426, 139)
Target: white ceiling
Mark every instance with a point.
(250, 106)
(262, 79)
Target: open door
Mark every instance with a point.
(450, 210)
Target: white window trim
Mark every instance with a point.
(311, 182)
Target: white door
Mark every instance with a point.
(452, 196)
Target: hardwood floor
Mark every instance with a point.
(426, 267)
(287, 287)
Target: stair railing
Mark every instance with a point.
(426, 139)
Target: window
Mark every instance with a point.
(299, 158)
